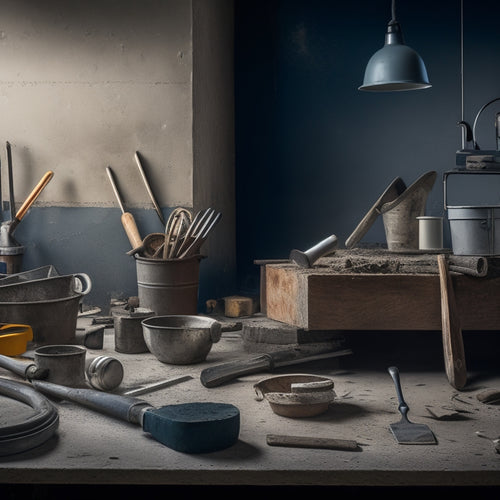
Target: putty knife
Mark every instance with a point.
(404, 431)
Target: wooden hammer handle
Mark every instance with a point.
(34, 195)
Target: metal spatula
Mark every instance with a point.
(404, 431)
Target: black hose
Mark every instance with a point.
(33, 431)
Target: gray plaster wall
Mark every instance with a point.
(83, 86)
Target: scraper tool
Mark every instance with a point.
(404, 431)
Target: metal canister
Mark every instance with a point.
(129, 337)
(104, 373)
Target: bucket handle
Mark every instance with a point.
(82, 283)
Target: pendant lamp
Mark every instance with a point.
(395, 66)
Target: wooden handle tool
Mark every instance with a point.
(395, 188)
(128, 221)
(453, 347)
(30, 200)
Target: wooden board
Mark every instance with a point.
(315, 299)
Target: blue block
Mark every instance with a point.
(194, 427)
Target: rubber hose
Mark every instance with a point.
(34, 430)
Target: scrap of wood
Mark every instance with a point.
(489, 396)
(312, 442)
(237, 306)
(444, 413)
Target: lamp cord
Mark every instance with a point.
(464, 135)
(393, 12)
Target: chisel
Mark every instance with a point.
(127, 218)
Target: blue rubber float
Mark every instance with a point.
(194, 427)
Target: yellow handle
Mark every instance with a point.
(34, 195)
(130, 227)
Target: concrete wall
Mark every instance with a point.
(86, 84)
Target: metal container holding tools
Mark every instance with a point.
(168, 286)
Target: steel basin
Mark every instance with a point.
(180, 339)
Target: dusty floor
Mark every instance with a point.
(93, 449)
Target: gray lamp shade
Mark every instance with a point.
(395, 66)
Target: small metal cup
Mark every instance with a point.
(65, 364)
(430, 233)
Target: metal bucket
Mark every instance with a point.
(50, 306)
(168, 286)
(473, 230)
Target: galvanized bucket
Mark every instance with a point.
(50, 306)
(168, 286)
(475, 230)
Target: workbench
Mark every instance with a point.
(90, 448)
(399, 292)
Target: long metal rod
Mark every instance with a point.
(148, 188)
(462, 69)
(11, 184)
(115, 189)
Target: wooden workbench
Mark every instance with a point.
(392, 292)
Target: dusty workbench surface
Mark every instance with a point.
(91, 448)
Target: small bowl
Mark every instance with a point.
(180, 339)
(14, 338)
(296, 395)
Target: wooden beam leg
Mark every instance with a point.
(453, 347)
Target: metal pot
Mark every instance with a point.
(49, 305)
(181, 339)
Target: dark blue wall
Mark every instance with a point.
(313, 153)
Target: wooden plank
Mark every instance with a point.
(374, 302)
(316, 300)
(282, 294)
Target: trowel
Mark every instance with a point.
(404, 431)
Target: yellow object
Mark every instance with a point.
(14, 338)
